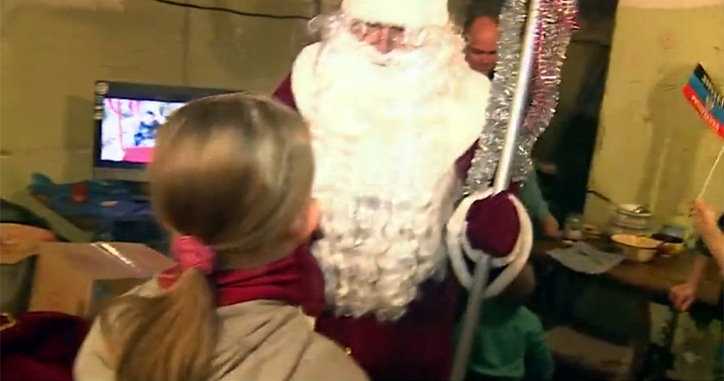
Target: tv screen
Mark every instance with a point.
(127, 119)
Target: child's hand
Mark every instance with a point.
(682, 296)
(550, 227)
(704, 218)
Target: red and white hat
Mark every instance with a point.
(403, 13)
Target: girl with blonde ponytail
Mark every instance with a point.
(231, 180)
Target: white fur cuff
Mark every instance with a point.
(459, 246)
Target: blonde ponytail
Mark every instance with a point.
(230, 173)
(170, 337)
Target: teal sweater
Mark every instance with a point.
(532, 198)
(510, 343)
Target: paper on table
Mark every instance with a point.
(584, 258)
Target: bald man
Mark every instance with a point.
(482, 50)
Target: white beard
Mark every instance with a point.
(385, 149)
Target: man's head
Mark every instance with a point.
(383, 28)
(379, 55)
(481, 53)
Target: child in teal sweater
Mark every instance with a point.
(510, 343)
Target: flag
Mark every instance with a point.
(707, 100)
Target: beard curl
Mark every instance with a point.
(384, 174)
(376, 269)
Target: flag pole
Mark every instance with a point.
(711, 173)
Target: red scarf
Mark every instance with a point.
(294, 279)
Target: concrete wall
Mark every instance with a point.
(651, 147)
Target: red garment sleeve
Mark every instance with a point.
(284, 92)
(463, 163)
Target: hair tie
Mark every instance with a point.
(191, 253)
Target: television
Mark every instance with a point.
(127, 118)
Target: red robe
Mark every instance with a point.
(40, 346)
(418, 346)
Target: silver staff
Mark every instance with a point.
(501, 183)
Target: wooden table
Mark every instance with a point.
(656, 277)
(653, 281)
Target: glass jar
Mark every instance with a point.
(573, 227)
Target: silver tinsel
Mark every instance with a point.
(485, 162)
(554, 28)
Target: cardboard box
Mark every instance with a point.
(18, 246)
(81, 278)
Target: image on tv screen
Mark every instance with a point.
(129, 127)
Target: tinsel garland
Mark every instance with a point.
(554, 27)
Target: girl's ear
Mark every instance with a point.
(307, 222)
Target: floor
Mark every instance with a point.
(605, 306)
(694, 347)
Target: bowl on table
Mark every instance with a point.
(669, 250)
(673, 237)
(617, 230)
(637, 248)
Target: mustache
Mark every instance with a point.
(436, 47)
